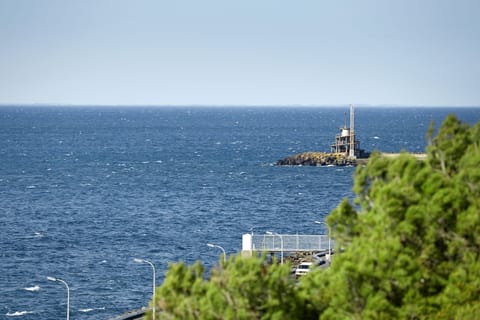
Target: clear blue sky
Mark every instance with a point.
(237, 52)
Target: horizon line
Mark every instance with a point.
(89, 105)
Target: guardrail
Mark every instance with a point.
(286, 242)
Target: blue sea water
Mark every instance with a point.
(84, 191)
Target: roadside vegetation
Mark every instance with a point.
(410, 246)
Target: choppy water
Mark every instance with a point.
(86, 190)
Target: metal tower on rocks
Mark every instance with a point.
(352, 133)
(345, 142)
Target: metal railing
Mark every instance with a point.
(290, 243)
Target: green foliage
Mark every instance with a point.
(411, 238)
(242, 288)
(408, 247)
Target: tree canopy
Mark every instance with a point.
(408, 247)
(241, 288)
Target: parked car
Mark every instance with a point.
(323, 256)
(303, 268)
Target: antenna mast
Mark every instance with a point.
(352, 133)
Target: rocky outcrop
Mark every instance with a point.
(316, 159)
(337, 159)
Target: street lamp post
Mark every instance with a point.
(68, 293)
(211, 245)
(153, 268)
(329, 241)
(281, 244)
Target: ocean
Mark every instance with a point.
(85, 190)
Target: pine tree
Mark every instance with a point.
(411, 239)
(241, 288)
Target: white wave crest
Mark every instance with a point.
(91, 309)
(18, 313)
(34, 288)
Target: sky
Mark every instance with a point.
(240, 52)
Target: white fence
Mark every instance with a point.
(286, 242)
